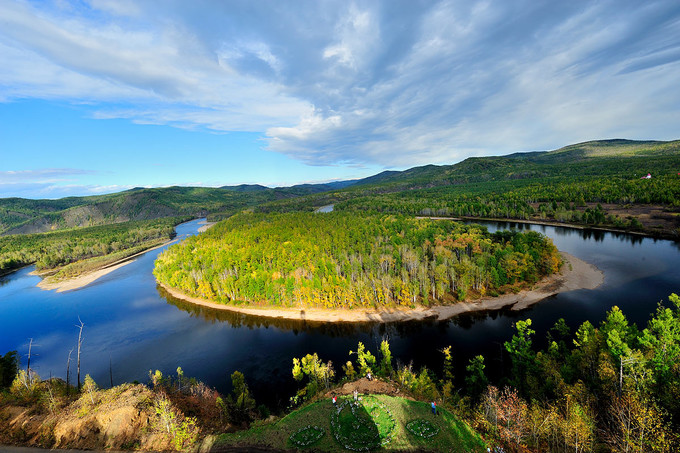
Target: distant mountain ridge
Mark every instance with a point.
(600, 157)
(23, 216)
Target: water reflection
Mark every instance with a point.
(328, 329)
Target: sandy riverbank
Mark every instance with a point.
(85, 279)
(576, 274)
(205, 226)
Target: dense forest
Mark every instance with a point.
(18, 215)
(564, 201)
(342, 260)
(61, 248)
(594, 183)
(576, 178)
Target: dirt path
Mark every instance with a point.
(576, 274)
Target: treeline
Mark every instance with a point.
(60, 248)
(565, 201)
(611, 388)
(351, 260)
(612, 385)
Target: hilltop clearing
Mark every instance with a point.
(372, 422)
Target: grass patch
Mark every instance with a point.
(377, 423)
(422, 428)
(306, 436)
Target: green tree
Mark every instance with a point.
(365, 359)
(318, 373)
(617, 333)
(240, 402)
(385, 359)
(521, 354)
(660, 343)
(475, 379)
(9, 365)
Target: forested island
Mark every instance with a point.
(350, 260)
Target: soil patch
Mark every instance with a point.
(366, 387)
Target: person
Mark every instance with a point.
(434, 408)
(356, 396)
(368, 375)
(335, 401)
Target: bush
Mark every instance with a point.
(26, 386)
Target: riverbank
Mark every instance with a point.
(656, 225)
(205, 226)
(663, 228)
(83, 280)
(575, 274)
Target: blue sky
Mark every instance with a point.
(98, 96)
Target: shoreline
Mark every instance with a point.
(85, 279)
(205, 226)
(644, 233)
(575, 274)
(554, 223)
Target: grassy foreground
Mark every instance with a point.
(378, 422)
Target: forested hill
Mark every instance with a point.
(21, 216)
(568, 181)
(603, 157)
(599, 183)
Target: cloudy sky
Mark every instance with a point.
(98, 96)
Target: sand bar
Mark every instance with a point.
(576, 274)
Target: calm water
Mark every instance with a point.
(135, 326)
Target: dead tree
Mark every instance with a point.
(80, 342)
(68, 373)
(29, 371)
(28, 362)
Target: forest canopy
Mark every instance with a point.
(60, 248)
(351, 260)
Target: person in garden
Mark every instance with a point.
(434, 408)
(335, 401)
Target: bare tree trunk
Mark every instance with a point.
(68, 373)
(28, 362)
(80, 341)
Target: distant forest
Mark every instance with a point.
(61, 248)
(350, 260)
(597, 184)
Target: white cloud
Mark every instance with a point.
(43, 175)
(57, 190)
(394, 83)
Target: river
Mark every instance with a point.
(132, 325)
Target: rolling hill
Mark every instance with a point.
(594, 163)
